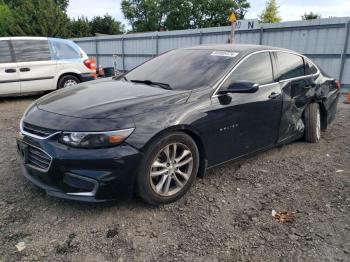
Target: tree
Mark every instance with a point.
(310, 16)
(5, 18)
(211, 13)
(150, 15)
(49, 18)
(241, 9)
(270, 13)
(62, 4)
(80, 27)
(106, 25)
(38, 18)
(143, 15)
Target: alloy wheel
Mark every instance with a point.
(171, 169)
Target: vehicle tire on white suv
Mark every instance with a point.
(67, 81)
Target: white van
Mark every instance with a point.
(37, 64)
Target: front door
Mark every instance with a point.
(246, 122)
(9, 76)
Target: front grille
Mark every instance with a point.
(38, 158)
(36, 130)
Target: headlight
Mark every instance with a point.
(95, 139)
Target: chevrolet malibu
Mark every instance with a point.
(155, 129)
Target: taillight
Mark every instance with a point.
(91, 64)
(337, 84)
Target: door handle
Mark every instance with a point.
(25, 69)
(274, 95)
(10, 70)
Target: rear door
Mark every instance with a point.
(36, 68)
(9, 76)
(297, 88)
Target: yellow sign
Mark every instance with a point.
(232, 18)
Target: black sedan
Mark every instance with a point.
(155, 129)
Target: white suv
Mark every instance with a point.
(36, 64)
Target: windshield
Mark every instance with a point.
(184, 69)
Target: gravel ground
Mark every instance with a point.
(225, 217)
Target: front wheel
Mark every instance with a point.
(313, 123)
(168, 170)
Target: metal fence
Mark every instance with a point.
(326, 41)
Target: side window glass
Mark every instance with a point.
(62, 49)
(310, 69)
(290, 65)
(256, 68)
(5, 52)
(31, 50)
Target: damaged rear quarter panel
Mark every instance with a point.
(297, 95)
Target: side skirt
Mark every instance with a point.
(254, 153)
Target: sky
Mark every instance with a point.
(290, 10)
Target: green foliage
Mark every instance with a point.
(80, 27)
(5, 19)
(151, 15)
(310, 16)
(143, 15)
(270, 13)
(62, 4)
(49, 18)
(37, 18)
(106, 25)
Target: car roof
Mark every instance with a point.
(23, 38)
(234, 47)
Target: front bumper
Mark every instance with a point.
(90, 175)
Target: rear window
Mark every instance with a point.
(310, 69)
(31, 50)
(290, 65)
(5, 52)
(63, 49)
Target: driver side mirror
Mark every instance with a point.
(241, 87)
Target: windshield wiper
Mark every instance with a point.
(149, 82)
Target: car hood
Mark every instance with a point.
(110, 99)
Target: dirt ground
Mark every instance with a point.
(225, 217)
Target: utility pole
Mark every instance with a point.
(233, 19)
(116, 72)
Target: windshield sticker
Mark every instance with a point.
(224, 53)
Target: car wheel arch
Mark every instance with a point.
(194, 134)
(324, 117)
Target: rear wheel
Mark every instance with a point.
(169, 169)
(313, 123)
(68, 81)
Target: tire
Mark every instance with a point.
(312, 123)
(68, 81)
(160, 177)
